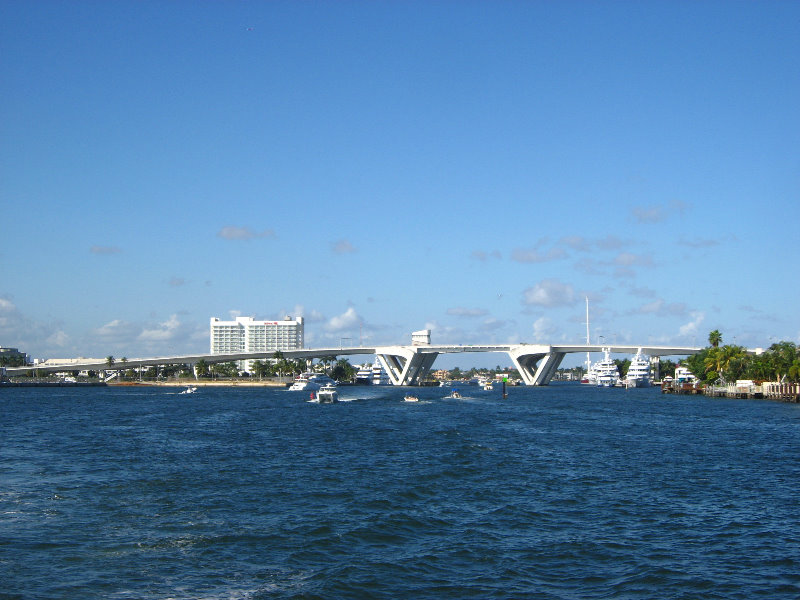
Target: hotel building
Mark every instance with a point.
(248, 335)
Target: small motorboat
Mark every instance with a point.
(454, 395)
(410, 398)
(327, 394)
(190, 390)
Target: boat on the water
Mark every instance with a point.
(372, 374)
(190, 390)
(327, 394)
(410, 398)
(606, 371)
(638, 374)
(310, 382)
(684, 375)
(454, 395)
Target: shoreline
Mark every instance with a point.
(199, 383)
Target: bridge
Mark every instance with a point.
(405, 365)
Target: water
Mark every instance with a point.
(558, 492)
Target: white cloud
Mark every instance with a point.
(533, 255)
(550, 293)
(576, 242)
(115, 331)
(231, 232)
(629, 259)
(30, 336)
(658, 213)
(543, 329)
(58, 338)
(692, 326)
(312, 316)
(662, 309)
(163, 332)
(348, 320)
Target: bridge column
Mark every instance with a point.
(406, 366)
(527, 357)
(548, 367)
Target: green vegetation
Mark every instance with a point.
(781, 362)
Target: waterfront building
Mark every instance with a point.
(245, 334)
(12, 357)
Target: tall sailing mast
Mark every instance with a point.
(588, 341)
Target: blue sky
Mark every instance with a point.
(476, 168)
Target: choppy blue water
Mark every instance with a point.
(557, 492)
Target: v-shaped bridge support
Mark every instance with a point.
(406, 366)
(536, 364)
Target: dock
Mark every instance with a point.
(772, 390)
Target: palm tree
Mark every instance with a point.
(110, 361)
(715, 338)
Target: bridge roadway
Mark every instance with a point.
(405, 365)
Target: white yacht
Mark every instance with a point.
(364, 374)
(310, 382)
(638, 374)
(590, 377)
(327, 394)
(606, 370)
(684, 375)
(379, 375)
(372, 374)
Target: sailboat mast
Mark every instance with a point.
(588, 341)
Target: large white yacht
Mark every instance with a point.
(310, 382)
(373, 374)
(638, 374)
(684, 375)
(364, 374)
(606, 371)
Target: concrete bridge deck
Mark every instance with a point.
(406, 365)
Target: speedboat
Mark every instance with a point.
(638, 374)
(189, 390)
(306, 382)
(327, 394)
(410, 398)
(454, 395)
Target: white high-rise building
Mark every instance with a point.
(248, 335)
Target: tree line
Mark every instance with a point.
(727, 363)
